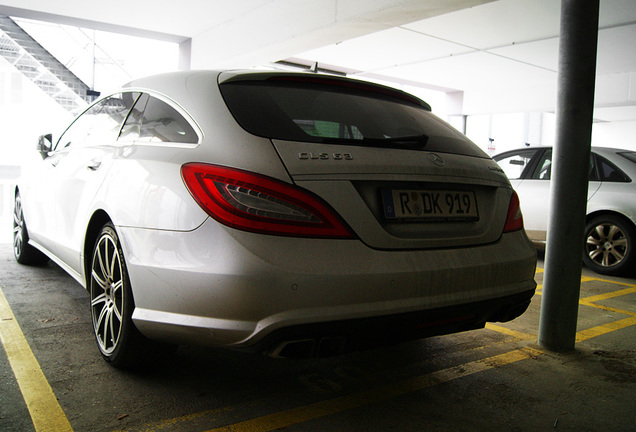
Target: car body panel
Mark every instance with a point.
(533, 195)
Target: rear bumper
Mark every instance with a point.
(220, 287)
(337, 337)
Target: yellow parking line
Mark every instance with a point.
(46, 413)
(609, 295)
(604, 329)
(509, 332)
(333, 406)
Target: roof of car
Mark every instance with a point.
(172, 82)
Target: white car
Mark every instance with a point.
(285, 213)
(610, 231)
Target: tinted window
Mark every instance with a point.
(130, 130)
(152, 120)
(342, 113)
(543, 171)
(607, 171)
(600, 169)
(100, 124)
(515, 164)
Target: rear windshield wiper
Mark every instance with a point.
(410, 142)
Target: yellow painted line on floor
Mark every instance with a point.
(609, 295)
(46, 413)
(604, 329)
(607, 308)
(333, 406)
(627, 284)
(510, 332)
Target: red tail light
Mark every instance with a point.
(256, 203)
(514, 220)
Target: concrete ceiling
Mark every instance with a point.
(487, 56)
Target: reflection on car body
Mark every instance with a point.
(245, 210)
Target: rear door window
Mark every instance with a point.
(515, 164)
(100, 124)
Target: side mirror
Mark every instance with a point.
(45, 145)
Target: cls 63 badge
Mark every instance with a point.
(325, 156)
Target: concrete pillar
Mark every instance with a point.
(570, 166)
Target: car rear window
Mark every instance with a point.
(607, 171)
(340, 112)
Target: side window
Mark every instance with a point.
(162, 123)
(132, 128)
(544, 167)
(543, 171)
(100, 124)
(608, 172)
(515, 164)
(110, 118)
(76, 134)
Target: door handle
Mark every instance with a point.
(94, 165)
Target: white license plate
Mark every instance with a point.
(429, 204)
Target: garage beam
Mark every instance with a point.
(570, 171)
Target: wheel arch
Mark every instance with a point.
(618, 214)
(98, 220)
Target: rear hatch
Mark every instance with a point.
(398, 175)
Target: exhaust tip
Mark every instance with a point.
(293, 349)
(309, 348)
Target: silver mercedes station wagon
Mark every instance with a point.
(284, 213)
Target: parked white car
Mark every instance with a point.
(610, 231)
(285, 213)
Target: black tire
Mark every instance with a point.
(609, 245)
(23, 252)
(112, 305)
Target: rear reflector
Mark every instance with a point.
(514, 220)
(256, 203)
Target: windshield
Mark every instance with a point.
(338, 114)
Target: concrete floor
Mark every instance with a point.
(485, 380)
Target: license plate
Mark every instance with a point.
(429, 204)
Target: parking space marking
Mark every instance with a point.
(45, 411)
(604, 329)
(334, 406)
(609, 295)
(515, 334)
(590, 301)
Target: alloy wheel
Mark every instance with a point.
(606, 244)
(18, 227)
(107, 294)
